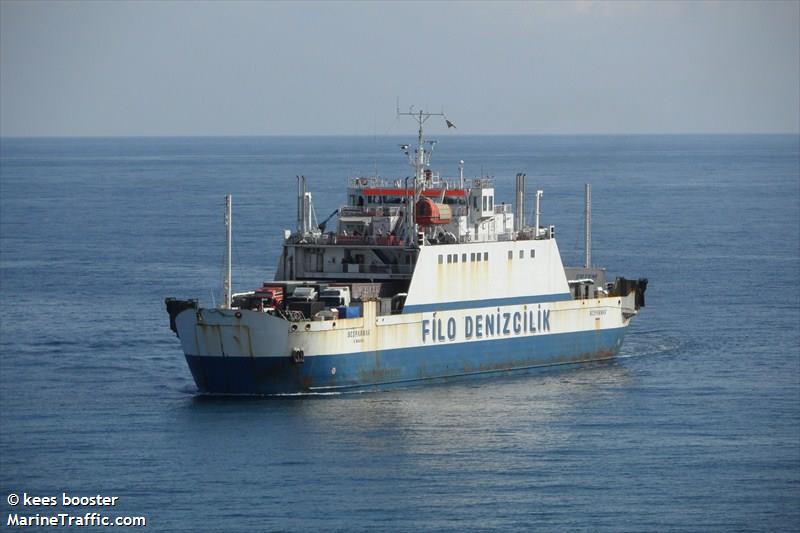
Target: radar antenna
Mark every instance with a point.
(421, 158)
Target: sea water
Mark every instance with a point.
(696, 426)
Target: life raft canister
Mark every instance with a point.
(429, 213)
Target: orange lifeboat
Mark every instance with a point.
(429, 213)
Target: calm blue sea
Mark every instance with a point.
(695, 427)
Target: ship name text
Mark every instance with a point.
(499, 324)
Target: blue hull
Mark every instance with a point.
(279, 375)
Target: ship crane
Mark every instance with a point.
(322, 224)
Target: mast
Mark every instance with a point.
(226, 283)
(587, 230)
(519, 214)
(419, 161)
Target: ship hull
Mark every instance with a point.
(265, 375)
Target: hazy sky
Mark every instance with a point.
(250, 68)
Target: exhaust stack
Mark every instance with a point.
(519, 212)
(301, 205)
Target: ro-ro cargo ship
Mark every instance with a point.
(424, 278)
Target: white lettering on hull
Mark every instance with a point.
(487, 325)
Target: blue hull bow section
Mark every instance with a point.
(279, 375)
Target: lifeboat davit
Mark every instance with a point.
(429, 213)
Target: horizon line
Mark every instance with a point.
(365, 135)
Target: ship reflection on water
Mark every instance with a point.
(523, 411)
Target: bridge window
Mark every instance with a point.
(521, 254)
(463, 258)
(485, 256)
(510, 254)
(449, 258)
(440, 259)
(533, 254)
(455, 258)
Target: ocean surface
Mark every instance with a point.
(696, 426)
